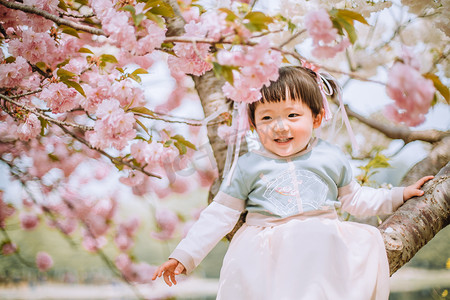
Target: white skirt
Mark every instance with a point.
(305, 257)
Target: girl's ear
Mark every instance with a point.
(318, 119)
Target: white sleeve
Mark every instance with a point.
(366, 201)
(215, 221)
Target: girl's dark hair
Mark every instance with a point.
(299, 84)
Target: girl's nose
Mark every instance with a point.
(280, 125)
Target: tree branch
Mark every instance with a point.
(417, 221)
(400, 132)
(49, 16)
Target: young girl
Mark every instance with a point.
(292, 244)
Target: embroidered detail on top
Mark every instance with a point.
(295, 191)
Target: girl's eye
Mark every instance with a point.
(266, 118)
(293, 115)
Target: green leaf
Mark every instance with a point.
(64, 74)
(443, 90)
(44, 125)
(120, 70)
(140, 71)
(76, 86)
(138, 19)
(62, 5)
(62, 64)
(53, 157)
(181, 148)
(142, 126)
(163, 9)
(155, 18)
(350, 29)
(129, 8)
(85, 50)
(379, 161)
(182, 140)
(11, 59)
(224, 71)
(143, 110)
(108, 58)
(118, 164)
(82, 2)
(231, 16)
(70, 31)
(351, 15)
(257, 21)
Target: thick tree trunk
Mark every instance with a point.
(417, 221)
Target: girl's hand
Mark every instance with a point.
(169, 269)
(414, 189)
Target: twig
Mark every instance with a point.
(25, 94)
(71, 15)
(49, 16)
(45, 117)
(291, 38)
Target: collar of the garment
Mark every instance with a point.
(262, 151)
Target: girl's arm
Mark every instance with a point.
(365, 201)
(214, 223)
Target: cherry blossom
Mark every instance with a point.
(411, 92)
(43, 261)
(324, 35)
(12, 74)
(114, 128)
(29, 221)
(167, 222)
(34, 47)
(59, 97)
(30, 129)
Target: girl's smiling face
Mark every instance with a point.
(285, 127)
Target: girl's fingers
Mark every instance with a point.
(172, 277)
(422, 181)
(166, 278)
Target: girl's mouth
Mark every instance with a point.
(283, 140)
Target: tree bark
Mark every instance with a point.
(417, 221)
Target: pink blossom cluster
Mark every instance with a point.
(125, 234)
(43, 261)
(56, 155)
(34, 47)
(258, 66)
(167, 222)
(113, 128)
(59, 97)
(411, 92)
(128, 94)
(134, 272)
(30, 129)
(194, 58)
(119, 26)
(29, 221)
(11, 75)
(98, 89)
(324, 35)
